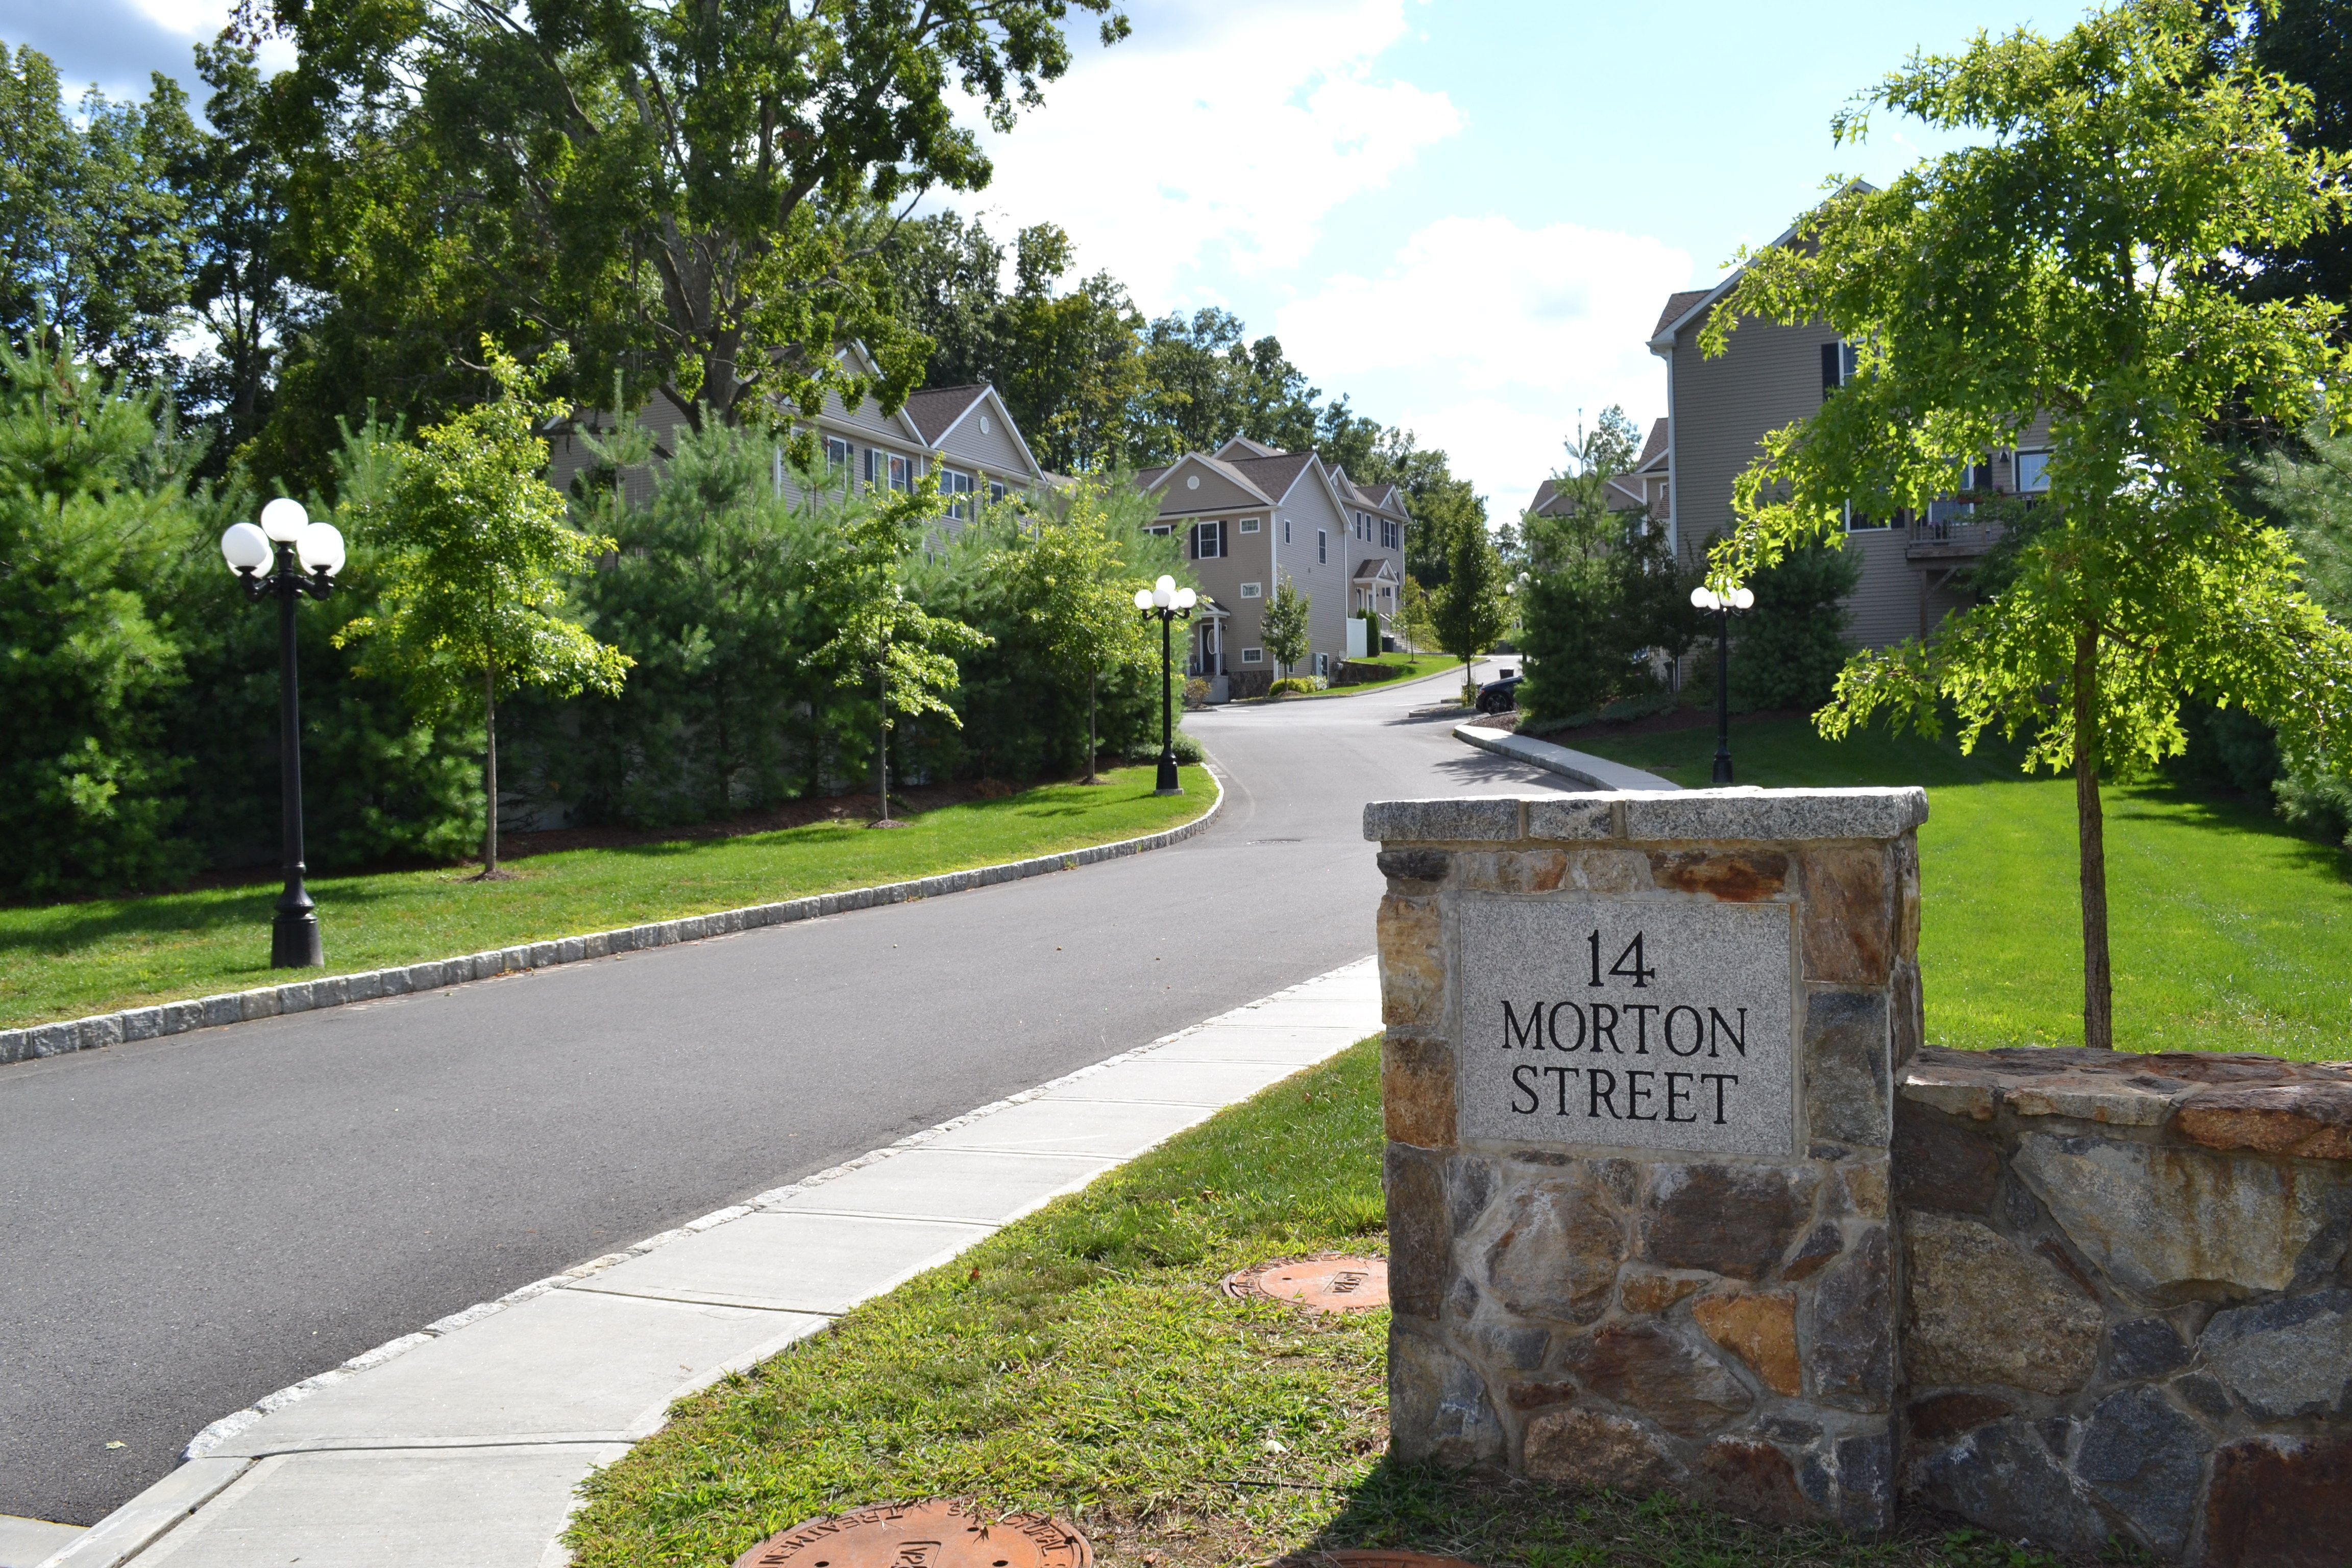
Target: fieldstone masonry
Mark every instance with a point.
(1639, 1080)
(1677, 1199)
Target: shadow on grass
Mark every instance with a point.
(2176, 806)
(1497, 1521)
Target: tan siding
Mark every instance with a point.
(1216, 494)
(965, 446)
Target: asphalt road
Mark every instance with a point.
(188, 1223)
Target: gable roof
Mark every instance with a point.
(1230, 472)
(1273, 474)
(1249, 448)
(1676, 305)
(1654, 448)
(936, 410)
(1683, 307)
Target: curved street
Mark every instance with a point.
(191, 1222)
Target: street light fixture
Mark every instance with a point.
(1170, 604)
(304, 557)
(1722, 605)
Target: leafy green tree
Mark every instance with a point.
(1075, 595)
(96, 531)
(1603, 589)
(2308, 42)
(93, 224)
(1788, 651)
(884, 639)
(2076, 261)
(2309, 493)
(1470, 610)
(1283, 628)
(478, 554)
(697, 193)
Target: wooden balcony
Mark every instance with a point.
(1948, 531)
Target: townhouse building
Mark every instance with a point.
(965, 434)
(1250, 517)
(1718, 413)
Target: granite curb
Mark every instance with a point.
(1581, 766)
(36, 1041)
(203, 1475)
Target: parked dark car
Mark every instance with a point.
(1501, 694)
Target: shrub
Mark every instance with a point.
(1297, 685)
(1788, 650)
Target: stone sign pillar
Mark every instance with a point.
(1638, 1077)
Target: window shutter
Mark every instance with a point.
(1194, 535)
(1830, 379)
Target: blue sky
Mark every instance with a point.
(1462, 214)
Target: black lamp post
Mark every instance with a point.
(303, 558)
(1722, 605)
(1170, 604)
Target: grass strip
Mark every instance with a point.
(64, 960)
(1083, 1362)
(2230, 932)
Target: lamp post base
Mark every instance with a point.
(1722, 768)
(1168, 782)
(294, 943)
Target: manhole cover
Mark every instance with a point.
(1366, 1557)
(1330, 1282)
(938, 1532)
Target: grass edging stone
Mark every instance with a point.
(36, 1041)
(1082, 1361)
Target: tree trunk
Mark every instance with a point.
(882, 749)
(1093, 748)
(490, 769)
(2098, 991)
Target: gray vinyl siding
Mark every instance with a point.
(965, 448)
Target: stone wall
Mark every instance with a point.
(1636, 1317)
(2074, 1296)
(2127, 1311)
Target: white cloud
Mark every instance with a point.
(1218, 137)
(1485, 338)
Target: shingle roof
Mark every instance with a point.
(1545, 492)
(934, 408)
(1655, 446)
(1676, 305)
(1274, 475)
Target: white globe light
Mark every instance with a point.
(1143, 598)
(1703, 597)
(321, 548)
(245, 548)
(1166, 584)
(1186, 598)
(1163, 597)
(1743, 598)
(283, 520)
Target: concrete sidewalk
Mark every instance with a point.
(460, 1446)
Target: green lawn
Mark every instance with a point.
(62, 960)
(2230, 933)
(1081, 1361)
(1409, 667)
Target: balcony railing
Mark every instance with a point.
(1950, 529)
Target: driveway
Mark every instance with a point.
(189, 1224)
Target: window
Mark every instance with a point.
(1253, 656)
(1252, 590)
(1250, 525)
(1391, 535)
(996, 494)
(1163, 529)
(902, 473)
(1286, 531)
(838, 456)
(1322, 664)
(1857, 523)
(1208, 541)
(2032, 473)
(878, 468)
(956, 487)
(1322, 545)
(1837, 366)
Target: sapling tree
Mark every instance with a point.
(885, 640)
(2079, 262)
(1068, 585)
(1284, 626)
(1471, 610)
(475, 551)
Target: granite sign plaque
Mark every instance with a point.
(1654, 1024)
